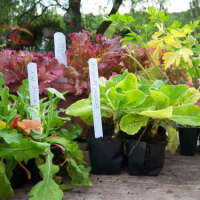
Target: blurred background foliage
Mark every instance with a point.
(44, 17)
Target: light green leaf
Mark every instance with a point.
(56, 93)
(161, 100)
(158, 114)
(134, 98)
(173, 140)
(132, 123)
(10, 136)
(174, 92)
(192, 95)
(47, 188)
(6, 190)
(24, 150)
(80, 108)
(115, 99)
(128, 83)
(79, 173)
(188, 114)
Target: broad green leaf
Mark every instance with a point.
(174, 92)
(160, 99)
(173, 140)
(148, 104)
(157, 84)
(115, 99)
(10, 136)
(134, 98)
(118, 77)
(80, 108)
(80, 175)
(128, 83)
(6, 190)
(24, 150)
(56, 93)
(192, 95)
(132, 123)
(47, 188)
(188, 114)
(158, 114)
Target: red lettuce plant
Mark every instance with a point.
(13, 66)
(111, 56)
(109, 53)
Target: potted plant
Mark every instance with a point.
(110, 147)
(138, 107)
(188, 135)
(20, 144)
(169, 105)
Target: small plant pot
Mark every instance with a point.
(188, 140)
(106, 155)
(145, 159)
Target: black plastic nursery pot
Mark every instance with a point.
(145, 159)
(188, 140)
(106, 155)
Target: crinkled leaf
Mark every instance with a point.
(192, 95)
(71, 133)
(134, 98)
(158, 114)
(115, 99)
(80, 175)
(10, 136)
(128, 83)
(160, 99)
(132, 123)
(6, 190)
(47, 188)
(174, 92)
(188, 114)
(24, 150)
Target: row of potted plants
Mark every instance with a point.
(38, 152)
(144, 115)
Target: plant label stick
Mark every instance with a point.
(94, 85)
(33, 89)
(60, 48)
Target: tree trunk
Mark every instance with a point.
(73, 15)
(105, 24)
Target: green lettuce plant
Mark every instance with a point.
(135, 103)
(19, 144)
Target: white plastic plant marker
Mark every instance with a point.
(96, 107)
(60, 48)
(33, 89)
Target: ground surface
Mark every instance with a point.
(179, 180)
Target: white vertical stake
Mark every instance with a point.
(96, 108)
(33, 88)
(60, 48)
